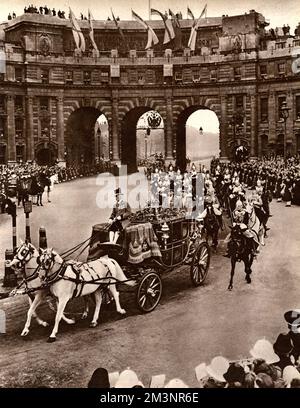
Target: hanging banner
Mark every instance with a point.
(168, 70)
(115, 71)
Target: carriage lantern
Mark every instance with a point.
(165, 233)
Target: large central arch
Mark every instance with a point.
(181, 151)
(128, 137)
(80, 135)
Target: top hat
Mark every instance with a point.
(118, 191)
(283, 344)
(292, 317)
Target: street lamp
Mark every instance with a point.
(285, 111)
(237, 125)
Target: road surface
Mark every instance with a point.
(190, 326)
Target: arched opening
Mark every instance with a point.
(197, 138)
(150, 138)
(85, 141)
(46, 154)
(101, 139)
(135, 137)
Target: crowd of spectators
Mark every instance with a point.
(270, 366)
(44, 10)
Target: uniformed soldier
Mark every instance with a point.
(241, 217)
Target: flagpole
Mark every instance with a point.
(149, 6)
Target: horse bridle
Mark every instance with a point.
(23, 262)
(51, 278)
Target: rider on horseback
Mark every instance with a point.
(240, 217)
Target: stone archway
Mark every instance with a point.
(80, 135)
(129, 137)
(181, 148)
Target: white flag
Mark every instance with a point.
(77, 33)
(193, 35)
(152, 37)
(91, 33)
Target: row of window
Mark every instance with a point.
(264, 108)
(142, 75)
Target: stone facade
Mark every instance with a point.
(239, 70)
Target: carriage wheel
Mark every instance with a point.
(200, 264)
(149, 292)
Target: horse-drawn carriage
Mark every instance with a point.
(150, 246)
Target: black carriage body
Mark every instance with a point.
(180, 244)
(174, 250)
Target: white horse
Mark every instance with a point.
(68, 280)
(26, 256)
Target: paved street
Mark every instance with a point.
(190, 326)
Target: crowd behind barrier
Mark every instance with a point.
(269, 365)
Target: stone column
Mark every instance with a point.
(115, 148)
(11, 131)
(253, 130)
(223, 128)
(169, 125)
(290, 138)
(29, 128)
(60, 129)
(272, 114)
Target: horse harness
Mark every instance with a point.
(77, 269)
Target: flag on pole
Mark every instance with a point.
(169, 31)
(193, 35)
(77, 33)
(177, 31)
(152, 37)
(91, 27)
(119, 29)
(190, 13)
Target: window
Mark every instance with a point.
(280, 45)
(263, 71)
(18, 74)
(178, 76)
(213, 75)
(239, 102)
(2, 126)
(69, 77)
(298, 142)
(281, 100)
(1, 77)
(196, 76)
(141, 78)
(19, 127)
(20, 153)
(45, 76)
(44, 103)
(19, 104)
(87, 77)
(264, 109)
(237, 72)
(281, 68)
(2, 104)
(298, 107)
(2, 154)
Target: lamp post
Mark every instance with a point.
(285, 111)
(237, 125)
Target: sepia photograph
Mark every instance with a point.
(149, 195)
